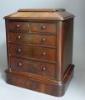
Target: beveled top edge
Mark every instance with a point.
(41, 10)
(40, 14)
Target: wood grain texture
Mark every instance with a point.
(39, 50)
(35, 39)
(36, 15)
(39, 83)
(25, 51)
(43, 69)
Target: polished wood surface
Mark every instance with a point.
(43, 69)
(18, 27)
(39, 83)
(26, 51)
(35, 39)
(25, 27)
(58, 14)
(43, 27)
(39, 50)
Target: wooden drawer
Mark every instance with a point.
(20, 27)
(32, 39)
(43, 27)
(40, 68)
(25, 27)
(26, 51)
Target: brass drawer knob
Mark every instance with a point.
(43, 27)
(19, 64)
(44, 53)
(43, 68)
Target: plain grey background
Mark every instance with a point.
(77, 87)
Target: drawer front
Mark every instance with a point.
(26, 27)
(44, 69)
(43, 27)
(18, 27)
(32, 39)
(26, 51)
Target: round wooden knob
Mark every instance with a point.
(43, 68)
(44, 53)
(28, 25)
(19, 37)
(10, 70)
(43, 39)
(43, 27)
(19, 64)
(19, 50)
(28, 28)
(18, 25)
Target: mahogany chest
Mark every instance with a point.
(39, 49)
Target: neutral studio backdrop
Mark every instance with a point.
(77, 86)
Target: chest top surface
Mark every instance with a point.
(46, 14)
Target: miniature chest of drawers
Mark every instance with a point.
(39, 49)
